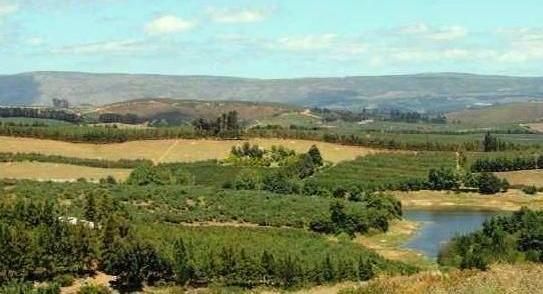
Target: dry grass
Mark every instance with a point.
(170, 150)
(523, 177)
(509, 201)
(57, 172)
(538, 127)
(100, 279)
(521, 279)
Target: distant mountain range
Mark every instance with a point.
(421, 92)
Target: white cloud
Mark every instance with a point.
(310, 42)
(447, 33)
(237, 16)
(7, 8)
(35, 41)
(523, 44)
(124, 46)
(168, 24)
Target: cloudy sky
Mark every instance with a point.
(272, 38)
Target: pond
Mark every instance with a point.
(438, 227)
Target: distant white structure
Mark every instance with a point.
(75, 221)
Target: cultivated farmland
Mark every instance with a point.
(57, 172)
(384, 170)
(181, 150)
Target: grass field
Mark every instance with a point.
(57, 172)
(523, 177)
(170, 150)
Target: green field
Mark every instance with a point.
(384, 170)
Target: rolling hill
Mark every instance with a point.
(174, 110)
(511, 113)
(422, 92)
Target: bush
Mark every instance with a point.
(28, 288)
(247, 180)
(162, 174)
(64, 280)
(490, 183)
(443, 179)
(94, 289)
(279, 182)
(530, 190)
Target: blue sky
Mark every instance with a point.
(272, 39)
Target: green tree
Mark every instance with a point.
(90, 213)
(141, 176)
(365, 268)
(490, 143)
(489, 183)
(182, 269)
(443, 179)
(315, 155)
(306, 167)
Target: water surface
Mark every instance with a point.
(438, 227)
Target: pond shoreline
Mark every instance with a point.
(392, 244)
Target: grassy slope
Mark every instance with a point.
(500, 114)
(188, 110)
(521, 279)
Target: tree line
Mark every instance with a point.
(226, 125)
(127, 118)
(91, 162)
(449, 179)
(501, 164)
(415, 117)
(502, 239)
(38, 112)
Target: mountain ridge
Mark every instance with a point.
(421, 92)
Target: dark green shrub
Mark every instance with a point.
(64, 280)
(489, 183)
(94, 289)
(530, 190)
